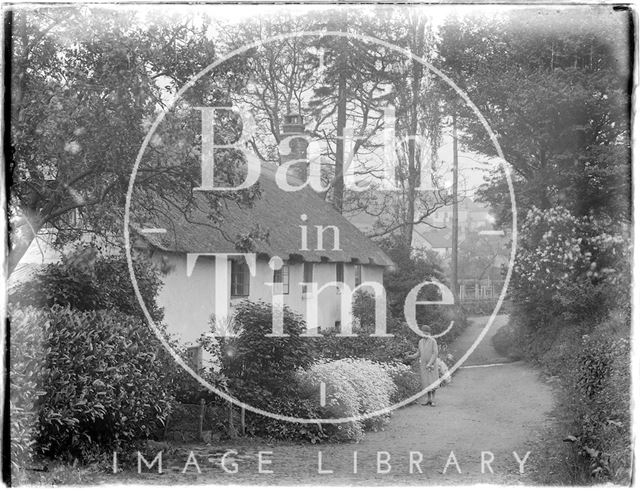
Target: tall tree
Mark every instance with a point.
(554, 88)
(419, 126)
(281, 74)
(85, 85)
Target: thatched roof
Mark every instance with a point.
(278, 213)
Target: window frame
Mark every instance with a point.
(310, 269)
(340, 272)
(357, 274)
(243, 274)
(283, 274)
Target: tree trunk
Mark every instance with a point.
(15, 58)
(338, 188)
(454, 223)
(413, 163)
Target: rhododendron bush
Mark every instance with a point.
(569, 266)
(571, 292)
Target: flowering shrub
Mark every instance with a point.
(353, 387)
(373, 385)
(572, 312)
(569, 266)
(341, 399)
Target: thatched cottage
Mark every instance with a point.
(189, 291)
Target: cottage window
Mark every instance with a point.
(281, 278)
(307, 276)
(239, 279)
(340, 272)
(358, 271)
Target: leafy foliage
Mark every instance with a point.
(86, 280)
(101, 379)
(26, 355)
(79, 72)
(405, 379)
(570, 267)
(291, 405)
(598, 379)
(605, 383)
(261, 370)
(560, 105)
(257, 365)
(353, 387)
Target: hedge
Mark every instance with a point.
(95, 381)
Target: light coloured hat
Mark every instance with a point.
(426, 328)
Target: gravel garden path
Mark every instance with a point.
(492, 405)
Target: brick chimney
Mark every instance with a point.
(297, 147)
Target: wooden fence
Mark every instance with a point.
(204, 422)
(480, 290)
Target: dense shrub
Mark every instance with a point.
(261, 371)
(363, 345)
(259, 366)
(26, 358)
(341, 399)
(295, 406)
(405, 379)
(354, 387)
(602, 406)
(591, 362)
(575, 268)
(85, 280)
(102, 378)
(186, 389)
